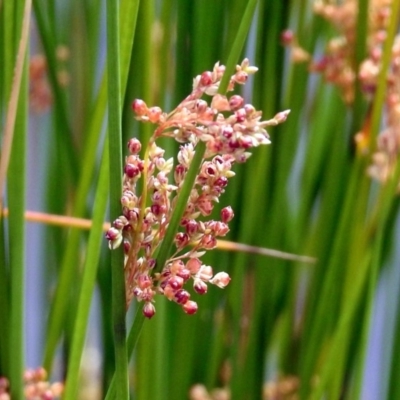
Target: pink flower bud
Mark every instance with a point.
(201, 106)
(181, 240)
(131, 159)
(158, 210)
(240, 115)
(241, 77)
(179, 173)
(139, 107)
(221, 182)
(140, 165)
(210, 170)
(221, 279)
(206, 78)
(131, 170)
(154, 114)
(176, 266)
(319, 65)
(227, 131)
(149, 310)
(219, 70)
(182, 296)
(220, 228)
(199, 286)
(204, 205)
(148, 251)
(120, 222)
(193, 265)
(287, 37)
(206, 273)
(113, 234)
(4, 383)
(57, 388)
(220, 103)
(235, 102)
(245, 142)
(250, 110)
(184, 274)
(168, 292)
(127, 247)
(190, 307)
(281, 116)
(166, 273)
(40, 374)
(131, 215)
(208, 242)
(151, 263)
(176, 282)
(30, 391)
(191, 227)
(128, 199)
(208, 114)
(29, 375)
(47, 395)
(134, 146)
(144, 281)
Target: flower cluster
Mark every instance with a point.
(384, 160)
(284, 388)
(40, 95)
(337, 65)
(229, 128)
(338, 61)
(39, 90)
(36, 386)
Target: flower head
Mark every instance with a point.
(229, 127)
(337, 66)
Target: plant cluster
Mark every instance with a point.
(40, 94)
(285, 388)
(229, 128)
(338, 66)
(36, 386)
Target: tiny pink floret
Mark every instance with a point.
(221, 280)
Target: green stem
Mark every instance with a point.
(115, 148)
(238, 44)
(88, 280)
(16, 200)
(165, 249)
(60, 102)
(133, 337)
(61, 300)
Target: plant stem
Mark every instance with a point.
(115, 148)
(17, 118)
(88, 281)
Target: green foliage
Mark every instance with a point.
(307, 193)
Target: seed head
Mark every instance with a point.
(229, 128)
